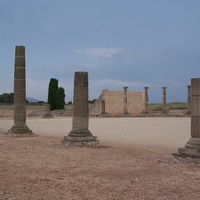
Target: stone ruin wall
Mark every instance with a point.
(95, 109)
(114, 103)
(136, 104)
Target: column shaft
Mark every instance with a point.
(19, 86)
(80, 134)
(80, 105)
(195, 108)
(164, 99)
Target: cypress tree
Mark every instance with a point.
(53, 88)
(60, 98)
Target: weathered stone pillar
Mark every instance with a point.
(20, 128)
(164, 99)
(80, 134)
(146, 99)
(192, 147)
(47, 113)
(189, 98)
(126, 114)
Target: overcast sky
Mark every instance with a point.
(132, 43)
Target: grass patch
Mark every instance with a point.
(7, 106)
(11, 106)
(169, 106)
(151, 106)
(35, 107)
(68, 106)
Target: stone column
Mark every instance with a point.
(126, 114)
(189, 98)
(146, 99)
(164, 99)
(20, 128)
(80, 134)
(192, 147)
(47, 113)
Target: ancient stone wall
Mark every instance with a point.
(111, 103)
(95, 108)
(135, 102)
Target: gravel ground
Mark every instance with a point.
(134, 161)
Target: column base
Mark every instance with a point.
(20, 131)
(80, 133)
(192, 149)
(89, 141)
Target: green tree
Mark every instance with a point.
(7, 98)
(52, 91)
(60, 98)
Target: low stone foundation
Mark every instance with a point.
(47, 116)
(183, 158)
(90, 141)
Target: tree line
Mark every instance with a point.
(7, 98)
(56, 96)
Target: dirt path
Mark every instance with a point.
(134, 161)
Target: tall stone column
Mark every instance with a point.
(126, 114)
(146, 99)
(189, 98)
(80, 134)
(192, 147)
(20, 128)
(164, 99)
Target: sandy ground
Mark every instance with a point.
(133, 161)
(165, 133)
